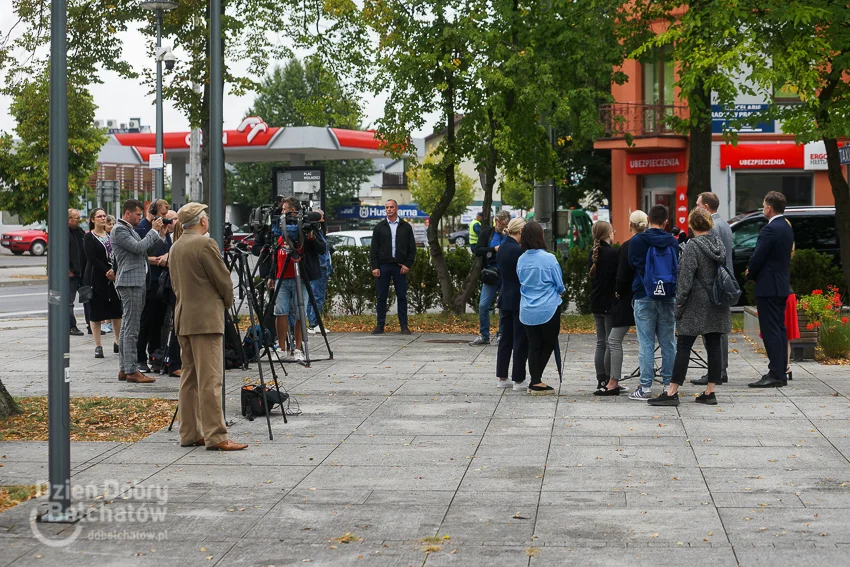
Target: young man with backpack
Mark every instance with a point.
(654, 257)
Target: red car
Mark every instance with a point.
(20, 241)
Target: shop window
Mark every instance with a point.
(750, 189)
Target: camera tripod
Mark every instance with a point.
(293, 256)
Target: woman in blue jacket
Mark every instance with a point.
(541, 285)
(514, 339)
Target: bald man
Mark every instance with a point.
(76, 268)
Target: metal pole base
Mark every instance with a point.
(54, 517)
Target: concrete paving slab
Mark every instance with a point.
(402, 438)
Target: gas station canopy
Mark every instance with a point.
(254, 141)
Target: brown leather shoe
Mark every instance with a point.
(139, 378)
(122, 376)
(198, 443)
(227, 445)
(176, 373)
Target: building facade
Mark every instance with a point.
(652, 169)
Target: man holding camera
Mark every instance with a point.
(287, 298)
(131, 281)
(393, 251)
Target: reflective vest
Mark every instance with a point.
(473, 236)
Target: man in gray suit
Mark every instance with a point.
(711, 203)
(131, 275)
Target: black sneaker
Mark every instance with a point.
(75, 332)
(378, 331)
(664, 399)
(98, 352)
(405, 331)
(143, 367)
(707, 399)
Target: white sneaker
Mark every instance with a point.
(522, 386)
(506, 383)
(641, 394)
(298, 356)
(313, 330)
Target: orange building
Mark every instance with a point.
(653, 168)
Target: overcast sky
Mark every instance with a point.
(122, 99)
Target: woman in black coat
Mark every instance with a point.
(514, 339)
(105, 304)
(603, 273)
(623, 315)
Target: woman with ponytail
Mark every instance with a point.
(603, 274)
(623, 313)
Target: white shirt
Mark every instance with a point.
(772, 218)
(393, 229)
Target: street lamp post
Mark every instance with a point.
(159, 8)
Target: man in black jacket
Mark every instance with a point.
(770, 267)
(392, 254)
(76, 267)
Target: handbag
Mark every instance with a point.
(86, 293)
(490, 275)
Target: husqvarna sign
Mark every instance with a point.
(378, 212)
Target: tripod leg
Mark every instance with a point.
(312, 299)
(302, 315)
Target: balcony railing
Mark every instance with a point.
(634, 119)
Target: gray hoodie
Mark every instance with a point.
(695, 314)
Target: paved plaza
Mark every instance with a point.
(407, 454)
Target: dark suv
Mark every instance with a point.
(814, 227)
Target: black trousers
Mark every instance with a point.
(392, 272)
(774, 334)
(713, 355)
(541, 343)
(514, 341)
(150, 327)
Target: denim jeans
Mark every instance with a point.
(655, 319)
(319, 286)
(485, 302)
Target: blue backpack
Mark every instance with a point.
(661, 273)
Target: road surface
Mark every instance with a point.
(25, 301)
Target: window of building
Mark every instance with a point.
(750, 189)
(658, 82)
(9, 218)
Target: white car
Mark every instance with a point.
(350, 238)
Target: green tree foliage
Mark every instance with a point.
(24, 163)
(299, 95)
(517, 193)
(427, 186)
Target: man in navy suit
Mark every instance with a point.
(770, 267)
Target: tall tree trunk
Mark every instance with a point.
(7, 403)
(448, 166)
(471, 282)
(841, 194)
(699, 163)
(840, 189)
